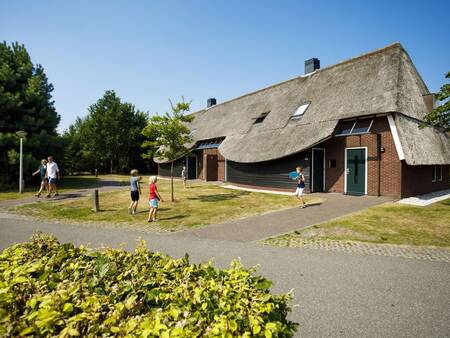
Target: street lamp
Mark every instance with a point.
(22, 135)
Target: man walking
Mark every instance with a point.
(52, 174)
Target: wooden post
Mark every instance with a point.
(95, 201)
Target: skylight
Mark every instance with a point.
(193, 130)
(261, 117)
(354, 127)
(300, 111)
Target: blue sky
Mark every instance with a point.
(150, 51)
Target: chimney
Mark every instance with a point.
(211, 102)
(312, 65)
(430, 101)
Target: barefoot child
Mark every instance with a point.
(154, 197)
(42, 170)
(135, 191)
(300, 185)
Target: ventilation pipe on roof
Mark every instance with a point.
(211, 102)
(312, 65)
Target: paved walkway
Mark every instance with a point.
(339, 294)
(280, 222)
(426, 199)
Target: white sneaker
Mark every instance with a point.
(129, 211)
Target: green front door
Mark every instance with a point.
(356, 171)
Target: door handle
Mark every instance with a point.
(347, 171)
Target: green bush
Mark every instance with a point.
(49, 289)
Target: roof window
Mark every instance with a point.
(355, 127)
(300, 111)
(261, 117)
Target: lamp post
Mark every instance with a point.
(22, 135)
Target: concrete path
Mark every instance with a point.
(279, 222)
(427, 199)
(339, 294)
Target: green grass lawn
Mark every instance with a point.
(200, 204)
(66, 184)
(388, 223)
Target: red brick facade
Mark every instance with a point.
(386, 174)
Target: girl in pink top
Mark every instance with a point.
(153, 199)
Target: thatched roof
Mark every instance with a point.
(383, 81)
(422, 146)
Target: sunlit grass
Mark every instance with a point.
(388, 223)
(198, 205)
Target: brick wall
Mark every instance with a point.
(417, 180)
(383, 169)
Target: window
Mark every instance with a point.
(261, 117)
(362, 126)
(208, 144)
(300, 111)
(193, 130)
(354, 127)
(345, 128)
(436, 173)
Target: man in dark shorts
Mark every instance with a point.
(135, 190)
(42, 171)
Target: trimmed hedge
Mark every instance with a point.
(48, 289)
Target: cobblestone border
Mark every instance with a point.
(405, 251)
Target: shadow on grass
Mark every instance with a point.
(218, 197)
(172, 217)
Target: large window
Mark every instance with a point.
(356, 127)
(207, 144)
(436, 173)
(300, 111)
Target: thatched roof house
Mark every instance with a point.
(373, 102)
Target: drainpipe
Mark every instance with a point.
(379, 164)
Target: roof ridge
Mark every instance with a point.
(367, 54)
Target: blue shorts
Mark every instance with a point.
(153, 203)
(52, 180)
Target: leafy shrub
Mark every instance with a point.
(49, 289)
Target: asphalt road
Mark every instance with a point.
(338, 294)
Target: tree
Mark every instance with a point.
(440, 116)
(111, 133)
(168, 135)
(25, 104)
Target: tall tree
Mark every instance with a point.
(440, 116)
(25, 104)
(168, 135)
(111, 132)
